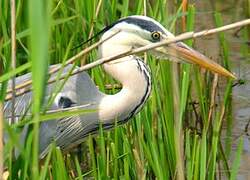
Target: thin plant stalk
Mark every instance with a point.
(1, 140)
(69, 61)
(97, 11)
(184, 36)
(13, 55)
(181, 37)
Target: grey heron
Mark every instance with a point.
(130, 71)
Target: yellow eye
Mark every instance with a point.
(156, 35)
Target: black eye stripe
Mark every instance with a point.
(142, 23)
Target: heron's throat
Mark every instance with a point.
(135, 78)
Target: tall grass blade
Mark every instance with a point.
(39, 45)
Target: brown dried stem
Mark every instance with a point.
(69, 61)
(212, 103)
(13, 56)
(181, 37)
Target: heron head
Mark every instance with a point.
(138, 31)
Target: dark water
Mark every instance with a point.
(239, 44)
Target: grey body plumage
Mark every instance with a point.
(70, 131)
(55, 130)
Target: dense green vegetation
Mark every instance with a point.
(176, 135)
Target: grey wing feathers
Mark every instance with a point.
(72, 130)
(21, 102)
(65, 132)
(79, 87)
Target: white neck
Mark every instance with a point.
(135, 90)
(132, 73)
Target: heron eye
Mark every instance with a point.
(155, 35)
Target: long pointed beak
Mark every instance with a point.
(180, 51)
